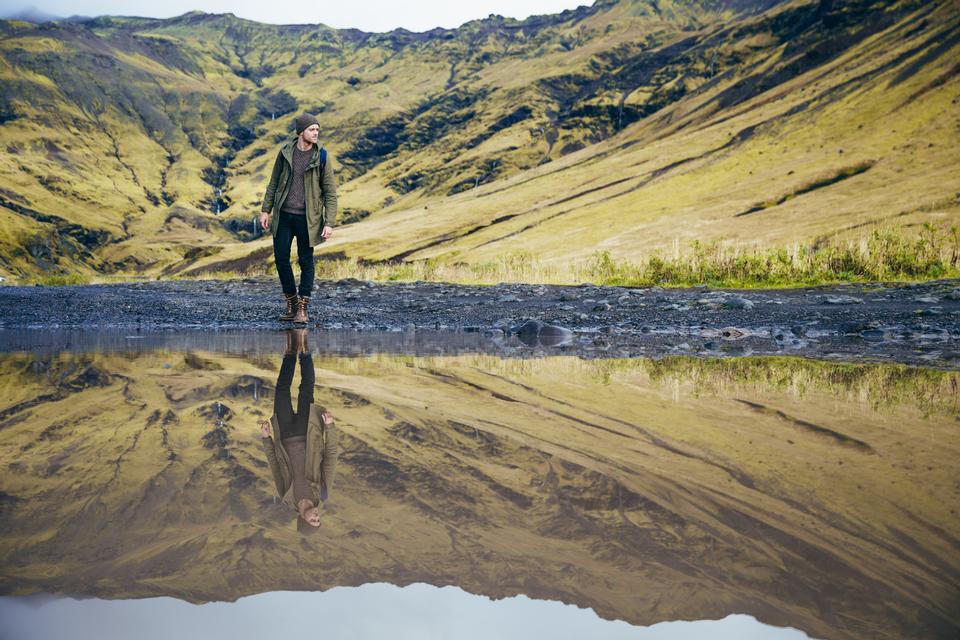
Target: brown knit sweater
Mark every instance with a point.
(295, 202)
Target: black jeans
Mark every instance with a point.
(292, 226)
(294, 424)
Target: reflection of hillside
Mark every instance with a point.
(933, 391)
(879, 388)
(636, 495)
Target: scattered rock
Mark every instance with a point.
(737, 303)
(536, 333)
(732, 333)
(842, 300)
(600, 342)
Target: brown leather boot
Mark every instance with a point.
(291, 311)
(301, 315)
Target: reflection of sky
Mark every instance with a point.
(417, 612)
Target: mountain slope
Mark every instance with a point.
(862, 139)
(126, 137)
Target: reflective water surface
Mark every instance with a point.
(816, 496)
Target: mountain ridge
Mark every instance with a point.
(173, 120)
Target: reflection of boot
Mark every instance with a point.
(291, 346)
(301, 315)
(291, 311)
(301, 340)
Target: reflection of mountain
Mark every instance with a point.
(645, 499)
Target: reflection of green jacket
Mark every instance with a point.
(319, 192)
(321, 465)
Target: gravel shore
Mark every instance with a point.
(915, 324)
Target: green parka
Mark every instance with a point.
(319, 192)
(322, 444)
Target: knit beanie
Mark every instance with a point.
(304, 120)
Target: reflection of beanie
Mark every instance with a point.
(305, 120)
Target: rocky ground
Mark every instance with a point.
(916, 323)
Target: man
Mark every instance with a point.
(300, 202)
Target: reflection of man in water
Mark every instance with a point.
(303, 460)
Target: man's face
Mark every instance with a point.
(311, 133)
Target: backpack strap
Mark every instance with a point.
(323, 159)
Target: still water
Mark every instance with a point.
(470, 495)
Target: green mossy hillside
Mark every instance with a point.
(626, 127)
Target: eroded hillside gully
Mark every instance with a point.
(474, 479)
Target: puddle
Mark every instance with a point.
(800, 494)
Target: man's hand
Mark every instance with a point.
(264, 220)
(326, 417)
(327, 232)
(264, 429)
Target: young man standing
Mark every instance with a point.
(300, 202)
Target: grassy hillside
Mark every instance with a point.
(628, 127)
(813, 495)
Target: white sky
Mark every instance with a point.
(368, 15)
